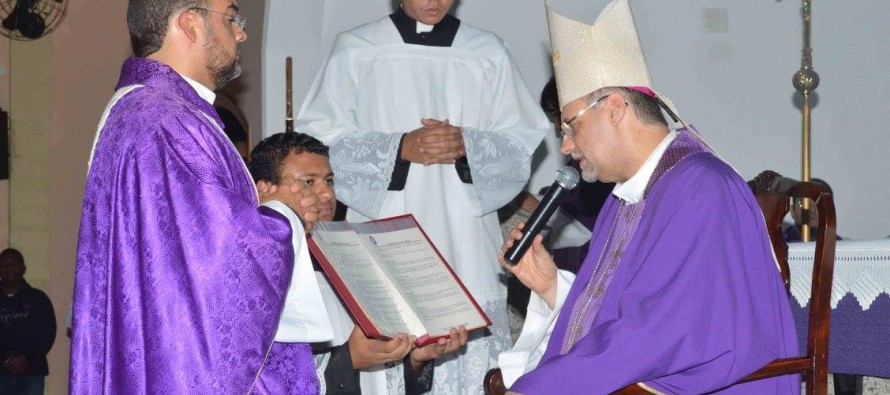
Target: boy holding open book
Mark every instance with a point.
(351, 363)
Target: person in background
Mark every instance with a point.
(27, 329)
(428, 115)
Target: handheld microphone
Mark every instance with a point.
(566, 179)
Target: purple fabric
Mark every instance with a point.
(180, 277)
(696, 301)
(289, 369)
(858, 341)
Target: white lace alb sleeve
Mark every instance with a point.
(364, 164)
(500, 166)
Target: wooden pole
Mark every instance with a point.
(289, 95)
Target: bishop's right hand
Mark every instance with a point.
(536, 269)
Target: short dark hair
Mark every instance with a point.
(15, 255)
(645, 107)
(550, 100)
(268, 156)
(148, 21)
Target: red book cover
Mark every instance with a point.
(361, 313)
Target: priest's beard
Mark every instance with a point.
(221, 70)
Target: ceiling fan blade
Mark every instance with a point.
(9, 23)
(34, 26)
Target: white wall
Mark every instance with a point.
(734, 85)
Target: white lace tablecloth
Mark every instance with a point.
(861, 268)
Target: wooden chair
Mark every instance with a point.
(774, 193)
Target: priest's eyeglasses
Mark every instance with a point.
(238, 20)
(567, 130)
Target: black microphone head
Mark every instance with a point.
(567, 177)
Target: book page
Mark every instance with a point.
(420, 274)
(366, 281)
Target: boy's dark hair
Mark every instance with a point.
(268, 156)
(550, 100)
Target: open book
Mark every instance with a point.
(392, 279)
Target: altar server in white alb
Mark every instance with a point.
(427, 115)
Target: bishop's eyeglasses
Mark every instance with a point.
(567, 130)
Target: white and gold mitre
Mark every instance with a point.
(589, 57)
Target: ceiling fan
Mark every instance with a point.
(30, 19)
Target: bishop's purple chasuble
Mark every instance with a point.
(180, 277)
(679, 291)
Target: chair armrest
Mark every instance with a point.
(493, 384)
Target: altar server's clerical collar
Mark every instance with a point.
(413, 32)
(424, 28)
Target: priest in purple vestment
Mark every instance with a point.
(680, 292)
(181, 277)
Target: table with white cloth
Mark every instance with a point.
(859, 337)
